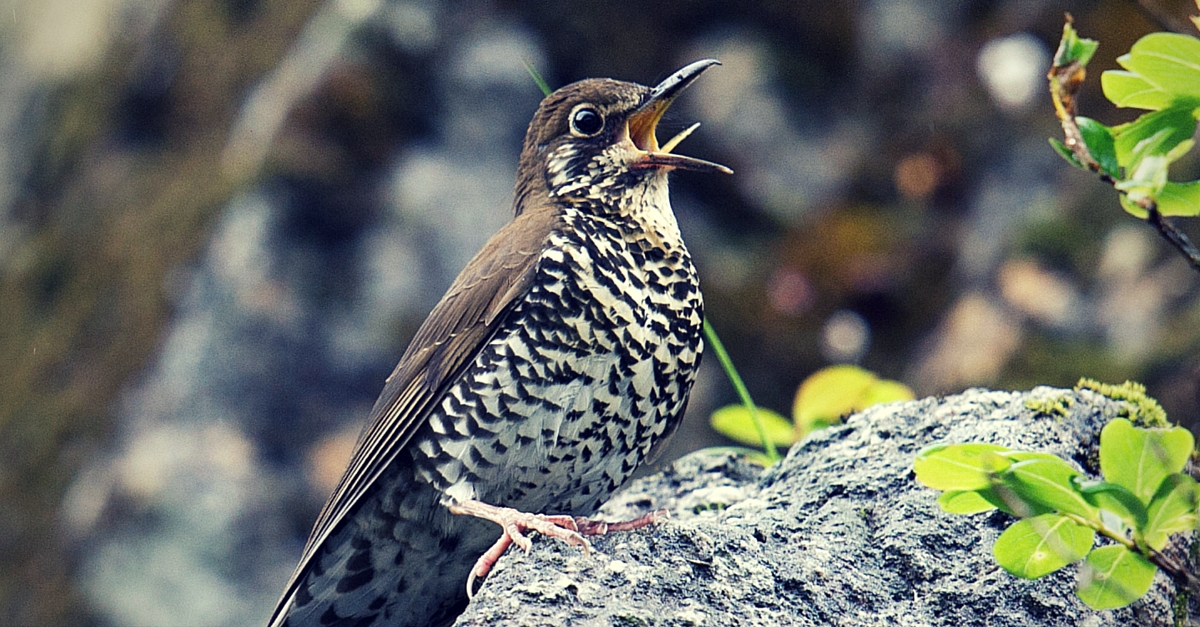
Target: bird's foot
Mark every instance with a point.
(515, 523)
(589, 527)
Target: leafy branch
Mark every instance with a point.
(1161, 75)
(1144, 499)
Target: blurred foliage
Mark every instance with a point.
(735, 422)
(1161, 74)
(823, 399)
(832, 393)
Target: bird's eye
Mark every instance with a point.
(586, 121)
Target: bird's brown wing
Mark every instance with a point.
(458, 327)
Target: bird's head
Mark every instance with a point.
(594, 141)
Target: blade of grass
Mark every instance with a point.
(710, 334)
(537, 78)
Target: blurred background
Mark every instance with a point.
(221, 221)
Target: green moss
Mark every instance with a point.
(629, 620)
(1140, 407)
(1179, 607)
(709, 507)
(1055, 406)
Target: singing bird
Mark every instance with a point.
(559, 360)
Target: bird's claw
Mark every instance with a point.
(515, 523)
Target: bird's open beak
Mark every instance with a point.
(642, 123)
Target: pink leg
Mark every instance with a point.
(589, 527)
(515, 523)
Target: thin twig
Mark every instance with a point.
(1178, 572)
(1178, 238)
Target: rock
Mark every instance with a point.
(839, 533)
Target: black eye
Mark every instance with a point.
(586, 121)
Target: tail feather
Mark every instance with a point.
(392, 566)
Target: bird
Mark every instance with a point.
(559, 360)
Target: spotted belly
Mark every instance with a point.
(589, 373)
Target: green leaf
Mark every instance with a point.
(1113, 576)
(1116, 499)
(1180, 199)
(1168, 61)
(1066, 153)
(1099, 141)
(830, 393)
(1173, 510)
(1146, 181)
(886, 391)
(1180, 149)
(1021, 456)
(1126, 89)
(1073, 48)
(1049, 482)
(1153, 134)
(1132, 208)
(734, 422)
(1012, 504)
(1139, 459)
(961, 467)
(964, 502)
(1143, 136)
(1038, 546)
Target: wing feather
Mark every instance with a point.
(447, 342)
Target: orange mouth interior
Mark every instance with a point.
(642, 127)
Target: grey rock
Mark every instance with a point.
(839, 533)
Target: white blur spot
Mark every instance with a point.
(61, 38)
(357, 10)
(1013, 70)
(413, 26)
(845, 337)
(892, 28)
